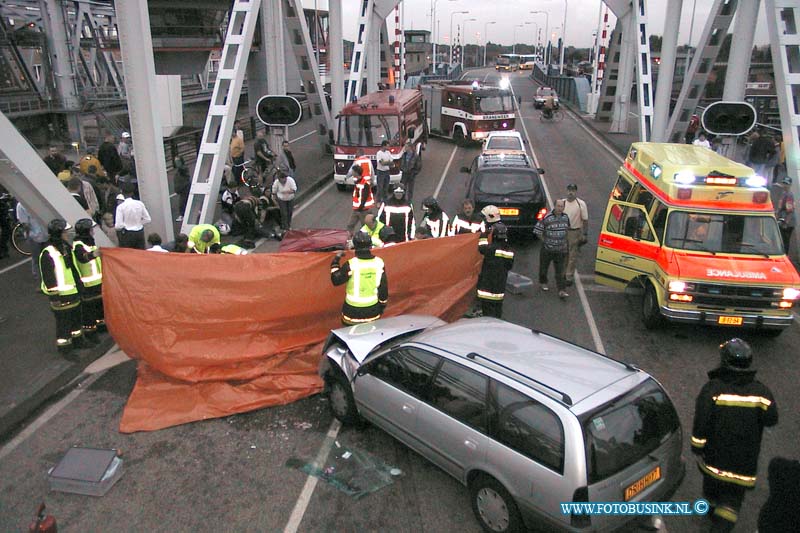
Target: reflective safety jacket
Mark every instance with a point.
(461, 223)
(731, 412)
(366, 166)
(90, 268)
(399, 215)
(233, 249)
(437, 223)
(362, 195)
(195, 235)
(374, 233)
(56, 271)
(367, 290)
(498, 258)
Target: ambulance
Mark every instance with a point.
(695, 232)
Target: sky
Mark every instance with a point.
(582, 19)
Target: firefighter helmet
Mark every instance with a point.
(500, 231)
(491, 213)
(56, 227)
(430, 204)
(362, 241)
(735, 354)
(84, 226)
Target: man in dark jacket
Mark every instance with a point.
(398, 213)
(109, 157)
(553, 229)
(55, 161)
(731, 412)
(467, 221)
(410, 165)
(498, 258)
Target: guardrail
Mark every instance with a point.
(571, 89)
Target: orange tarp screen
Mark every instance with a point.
(217, 335)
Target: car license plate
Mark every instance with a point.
(730, 320)
(644, 482)
(509, 211)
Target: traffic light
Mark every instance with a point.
(279, 110)
(729, 118)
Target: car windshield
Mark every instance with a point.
(503, 143)
(368, 130)
(627, 429)
(723, 233)
(507, 182)
(503, 61)
(494, 104)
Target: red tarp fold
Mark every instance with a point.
(217, 335)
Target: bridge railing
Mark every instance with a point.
(570, 89)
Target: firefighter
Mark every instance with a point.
(731, 412)
(367, 290)
(467, 221)
(363, 202)
(204, 238)
(491, 215)
(86, 258)
(398, 213)
(437, 220)
(60, 284)
(498, 258)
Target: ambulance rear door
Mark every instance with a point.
(627, 246)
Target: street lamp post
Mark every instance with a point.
(453, 41)
(514, 44)
(464, 45)
(546, 31)
(486, 40)
(434, 33)
(563, 39)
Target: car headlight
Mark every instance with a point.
(790, 293)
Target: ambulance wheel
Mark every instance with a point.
(651, 314)
(341, 187)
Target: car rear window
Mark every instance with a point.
(627, 429)
(503, 143)
(507, 182)
(546, 92)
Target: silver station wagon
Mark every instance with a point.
(525, 420)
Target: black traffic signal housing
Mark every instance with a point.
(729, 118)
(279, 110)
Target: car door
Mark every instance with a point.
(452, 423)
(627, 246)
(388, 390)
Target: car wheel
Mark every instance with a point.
(494, 507)
(651, 314)
(341, 187)
(340, 398)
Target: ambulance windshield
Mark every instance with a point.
(724, 233)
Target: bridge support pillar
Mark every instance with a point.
(741, 50)
(336, 56)
(666, 70)
(619, 121)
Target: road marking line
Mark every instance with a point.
(616, 155)
(312, 132)
(587, 310)
(15, 265)
(311, 481)
(444, 174)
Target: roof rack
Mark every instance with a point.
(515, 159)
(626, 364)
(558, 395)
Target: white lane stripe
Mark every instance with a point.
(312, 132)
(444, 173)
(311, 481)
(15, 265)
(587, 310)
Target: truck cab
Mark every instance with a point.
(696, 233)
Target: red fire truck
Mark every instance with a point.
(392, 115)
(467, 110)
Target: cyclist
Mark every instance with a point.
(265, 158)
(549, 106)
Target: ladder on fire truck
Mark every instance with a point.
(699, 70)
(213, 150)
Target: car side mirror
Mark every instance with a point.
(465, 170)
(540, 170)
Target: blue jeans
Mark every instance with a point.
(383, 185)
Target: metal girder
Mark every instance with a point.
(666, 71)
(619, 120)
(700, 69)
(221, 114)
(358, 60)
(33, 184)
(608, 89)
(644, 80)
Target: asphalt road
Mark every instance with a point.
(230, 473)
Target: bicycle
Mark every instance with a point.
(20, 240)
(555, 116)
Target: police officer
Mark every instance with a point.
(367, 290)
(498, 258)
(731, 412)
(86, 258)
(60, 284)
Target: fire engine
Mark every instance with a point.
(467, 111)
(393, 115)
(695, 232)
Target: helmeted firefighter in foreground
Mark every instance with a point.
(731, 412)
(367, 290)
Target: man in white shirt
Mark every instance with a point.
(702, 141)
(577, 235)
(383, 165)
(154, 240)
(129, 222)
